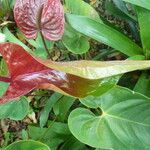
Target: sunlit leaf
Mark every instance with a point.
(80, 7)
(144, 21)
(120, 121)
(104, 33)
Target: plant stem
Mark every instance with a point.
(45, 46)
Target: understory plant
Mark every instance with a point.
(91, 103)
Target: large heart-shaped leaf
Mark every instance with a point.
(45, 16)
(124, 122)
(78, 79)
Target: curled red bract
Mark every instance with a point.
(27, 74)
(45, 16)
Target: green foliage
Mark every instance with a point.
(114, 117)
(27, 145)
(143, 3)
(105, 34)
(121, 121)
(16, 110)
(74, 41)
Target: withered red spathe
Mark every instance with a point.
(46, 16)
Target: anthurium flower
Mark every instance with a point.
(45, 16)
(77, 78)
(26, 74)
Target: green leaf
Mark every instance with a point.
(123, 8)
(143, 85)
(142, 3)
(57, 135)
(112, 9)
(132, 21)
(61, 108)
(2, 38)
(3, 68)
(38, 44)
(144, 21)
(27, 145)
(3, 87)
(123, 122)
(97, 69)
(104, 33)
(75, 42)
(15, 110)
(11, 38)
(53, 136)
(40, 53)
(79, 7)
(48, 107)
(73, 144)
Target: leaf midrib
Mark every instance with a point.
(124, 119)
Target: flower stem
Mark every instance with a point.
(45, 46)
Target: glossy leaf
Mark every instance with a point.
(124, 122)
(142, 3)
(27, 145)
(79, 7)
(96, 69)
(104, 33)
(45, 16)
(78, 79)
(144, 21)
